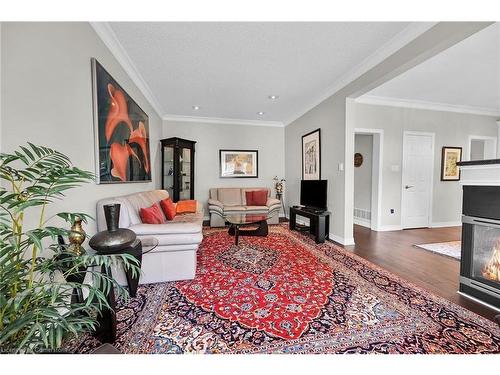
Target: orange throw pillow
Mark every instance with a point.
(187, 206)
(152, 215)
(168, 208)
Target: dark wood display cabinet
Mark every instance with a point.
(177, 168)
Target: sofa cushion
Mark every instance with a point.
(257, 208)
(234, 208)
(169, 228)
(196, 218)
(152, 215)
(168, 208)
(230, 196)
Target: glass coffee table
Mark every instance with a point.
(248, 224)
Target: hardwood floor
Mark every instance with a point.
(395, 251)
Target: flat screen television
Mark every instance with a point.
(313, 193)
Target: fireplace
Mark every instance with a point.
(480, 261)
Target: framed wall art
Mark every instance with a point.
(121, 131)
(449, 158)
(311, 155)
(239, 163)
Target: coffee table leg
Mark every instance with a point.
(236, 234)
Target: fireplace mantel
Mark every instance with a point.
(480, 172)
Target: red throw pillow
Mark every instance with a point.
(260, 197)
(256, 197)
(249, 196)
(168, 208)
(152, 215)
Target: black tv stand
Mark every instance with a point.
(310, 209)
(319, 222)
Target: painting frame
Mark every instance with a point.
(243, 155)
(132, 152)
(447, 153)
(314, 162)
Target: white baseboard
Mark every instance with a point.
(389, 228)
(342, 240)
(363, 222)
(443, 224)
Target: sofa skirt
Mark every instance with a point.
(161, 266)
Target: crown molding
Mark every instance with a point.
(109, 38)
(218, 120)
(401, 39)
(420, 104)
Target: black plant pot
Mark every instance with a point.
(114, 239)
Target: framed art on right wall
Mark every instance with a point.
(450, 156)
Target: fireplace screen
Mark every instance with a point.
(486, 253)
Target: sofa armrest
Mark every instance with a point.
(214, 202)
(273, 202)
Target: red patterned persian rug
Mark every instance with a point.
(285, 294)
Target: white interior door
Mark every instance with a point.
(418, 166)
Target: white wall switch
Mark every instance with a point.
(341, 166)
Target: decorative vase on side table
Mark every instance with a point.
(115, 240)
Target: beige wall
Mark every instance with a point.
(46, 97)
(450, 128)
(210, 138)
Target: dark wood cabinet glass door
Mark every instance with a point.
(178, 168)
(168, 170)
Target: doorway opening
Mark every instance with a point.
(368, 146)
(482, 147)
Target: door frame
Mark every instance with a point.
(431, 190)
(377, 163)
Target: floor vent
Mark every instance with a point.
(360, 213)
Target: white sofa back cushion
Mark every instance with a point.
(130, 206)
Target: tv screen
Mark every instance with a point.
(313, 193)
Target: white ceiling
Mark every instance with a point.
(230, 69)
(464, 78)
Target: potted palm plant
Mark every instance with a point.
(36, 309)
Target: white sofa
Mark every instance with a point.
(226, 201)
(175, 256)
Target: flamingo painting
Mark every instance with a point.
(122, 132)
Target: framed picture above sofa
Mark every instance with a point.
(239, 163)
(121, 131)
(311, 155)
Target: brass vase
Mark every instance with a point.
(77, 237)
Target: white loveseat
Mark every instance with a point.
(227, 201)
(175, 256)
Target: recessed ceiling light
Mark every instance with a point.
(195, 107)
(273, 97)
(260, 113)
